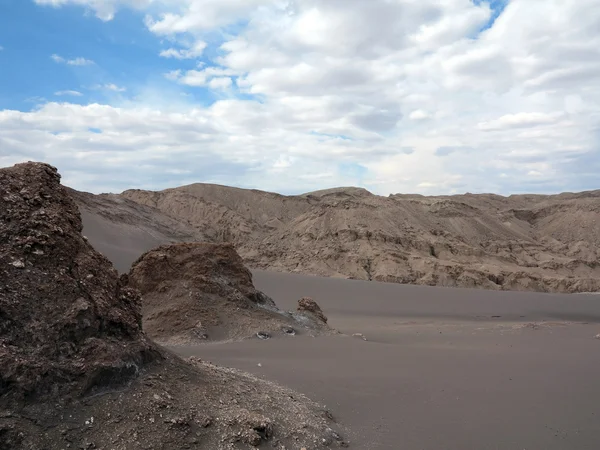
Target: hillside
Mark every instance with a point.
(521, 242)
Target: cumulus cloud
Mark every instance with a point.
(214, 77)
(220, 83)
(428, 96)
(186, 53)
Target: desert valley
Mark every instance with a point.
(299, 225)
(246, 319)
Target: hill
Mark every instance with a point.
(547, 243)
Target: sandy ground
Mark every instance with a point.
(442, 369)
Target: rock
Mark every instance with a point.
(289, 331)
(209, 291)
(597, 336)
(263, 335)
(360, 335)
(308, 305)
(76, 368)
(63, 334)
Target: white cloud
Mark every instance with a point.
(410, 90)
(419, 114)
(220, 83)
(68, 93)
(202, 15)
(214, 77)
(79, 61)
(173, 75)
(520, 120)
(1, 48)
(104, 9)
(187, 53)
(110, 87)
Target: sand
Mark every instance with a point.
(442, 368)
(438, 369)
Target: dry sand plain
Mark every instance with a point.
(449, 369)
(442, 369)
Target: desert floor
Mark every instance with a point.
(441, 369)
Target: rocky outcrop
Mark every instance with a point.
(68, 325)
(76, 369)
(307, 305)
(197, 291)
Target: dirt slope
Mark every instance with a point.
(76, 370)
(521, 242)
(203, 292)
(119, 225)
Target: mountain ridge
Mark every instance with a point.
(526, 242)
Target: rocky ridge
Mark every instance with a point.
(520, 242)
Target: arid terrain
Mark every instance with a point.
(78, 371)
(399, 367)
(521, 242)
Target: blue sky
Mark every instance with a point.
(123, 51)
(438, 96)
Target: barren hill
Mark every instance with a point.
(548, 243)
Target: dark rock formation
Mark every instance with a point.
(308, 305)
(67, 324)
(198, 291)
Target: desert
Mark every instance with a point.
(188, 348)
(299, 224)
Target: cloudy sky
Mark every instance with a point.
(426, 96)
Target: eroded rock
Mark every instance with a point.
(308, 305)
(62, 332)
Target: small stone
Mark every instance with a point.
(289, 331)
(263, 335)
(307, 304)
(360, 335)
(18, 264)
(597, 336)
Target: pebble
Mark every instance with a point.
(360, 335)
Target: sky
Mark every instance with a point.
(397, 96)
